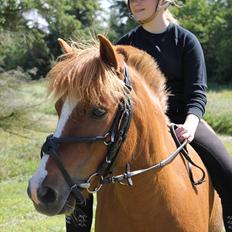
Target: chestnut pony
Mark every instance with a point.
(111, 103)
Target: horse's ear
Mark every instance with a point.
(107, 52)
(66, 48)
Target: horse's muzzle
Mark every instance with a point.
(49, 202)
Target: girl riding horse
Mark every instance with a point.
(112, 129)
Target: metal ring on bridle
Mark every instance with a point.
(108, 139)
(89, 181)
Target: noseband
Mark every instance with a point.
(113, 139)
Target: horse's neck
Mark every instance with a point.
(150, 142)
(151, 131)
(147, 200)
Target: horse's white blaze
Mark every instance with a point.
(41, 173)
(67, 109)
(38, 178)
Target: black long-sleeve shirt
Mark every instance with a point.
(180, 57)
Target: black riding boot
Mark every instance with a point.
(81, 219)
(227, 216)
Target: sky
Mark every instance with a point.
(105, 4)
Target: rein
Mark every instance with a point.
(180, 150)
(113, 139)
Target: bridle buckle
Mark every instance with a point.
(108, 139)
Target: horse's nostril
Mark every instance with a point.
(46, 195)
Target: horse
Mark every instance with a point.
(114, 138)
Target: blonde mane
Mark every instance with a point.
(84, 76)
(146, 65)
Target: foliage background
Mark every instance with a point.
(26, 43)
(28, 48)
(29, 31)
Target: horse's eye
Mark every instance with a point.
(97, 113)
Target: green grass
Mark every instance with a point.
(17, 212)
(227, 141)
(21, 137)
(219, 109)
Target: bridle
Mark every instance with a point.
(113, 140)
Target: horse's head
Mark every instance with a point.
(92, 91)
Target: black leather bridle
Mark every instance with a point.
(113, 139)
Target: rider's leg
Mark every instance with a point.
(219, 165)
(81, 219)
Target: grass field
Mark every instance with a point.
(21, 137)
(218, 111)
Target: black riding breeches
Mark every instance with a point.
(81, 218)
(215, 157)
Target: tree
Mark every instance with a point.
(120, 21)
(210, 21)
(223, 45)
(11, 15)
(29, 45)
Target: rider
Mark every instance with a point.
(180, 57)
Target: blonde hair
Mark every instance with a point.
(170, 17)
(168, 14)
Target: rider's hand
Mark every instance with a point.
(187, 130)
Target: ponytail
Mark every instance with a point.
(169, 16)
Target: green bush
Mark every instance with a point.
(26, 50)
(12, 50)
